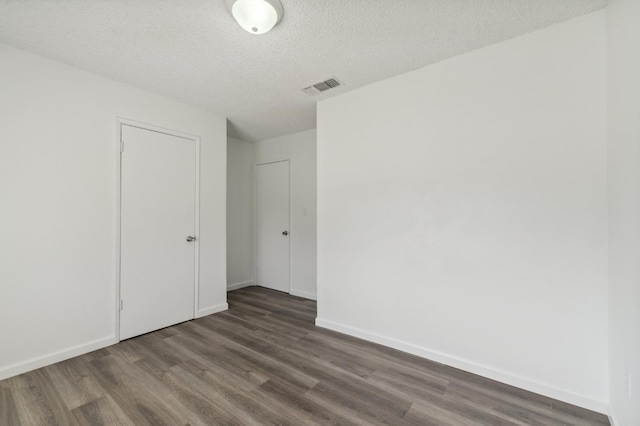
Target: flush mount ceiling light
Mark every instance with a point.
(256, 16)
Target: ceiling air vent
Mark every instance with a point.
(323, 86)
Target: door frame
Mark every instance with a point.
(255, 216)
(119, 122)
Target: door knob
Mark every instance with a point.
(285, 232)
(191, 238)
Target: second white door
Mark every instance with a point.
(272, 225)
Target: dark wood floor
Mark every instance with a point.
(264, 362)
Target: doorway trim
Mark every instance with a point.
(119, 122)
(255, 217)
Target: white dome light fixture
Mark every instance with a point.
(256, 16)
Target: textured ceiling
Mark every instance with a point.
(194, 51)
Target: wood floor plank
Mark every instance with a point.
(264, 362)
(355, 414)
(221, 363)
(257, 360)
(74, 382)
(301, 363)
(585, 416)
(413, 390)
(207, 406)
(101, 412)
(419, 414)
(38, 402)
(258, 409)
(331, 395)
(532, 412)
(8, 409)
(259, 353)
(294, 400)
(144, 403)
(278, 335)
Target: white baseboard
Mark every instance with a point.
(470, 366)
(612, 418)
(212, 310)
(303, 294)
(236, 286)
(52, 358)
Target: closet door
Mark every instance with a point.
(158, 213)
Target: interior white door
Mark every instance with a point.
(272, 225)
(158, 199)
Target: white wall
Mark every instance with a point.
(462, 212)
(300, 150)
(623, 24)
(58, 156)
(240, 214)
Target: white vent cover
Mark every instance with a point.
(323, 86)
